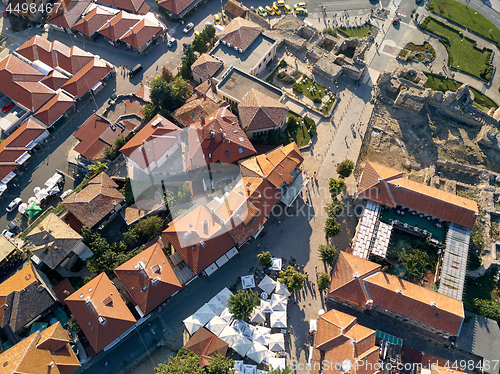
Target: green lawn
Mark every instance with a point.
(439, 83)
(356, 32)
(328, 105)
(463, 54)
(465, 16)
(304, 86)
(299, 131)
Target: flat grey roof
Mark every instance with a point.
(246, 60)
(237, 83)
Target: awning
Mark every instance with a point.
(211, 269)
(294, 190)
(23, 158)
(8, 178)
(56, 178)
(389, 338)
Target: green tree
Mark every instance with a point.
(415, 261)
(487, 308)
(328, 253)
(335, 208)
(293, 279)
(336, 186)
(265, 258)
(220, 365)
(291, 121)
(97, 168)
(73, 325)
(208, 34)
(168, 96)
(188, 58)
(149, 111)
(110, 153)
(332, 227)
(126, 191)
(185, 72)
(166, 74)
(181, 87)
(120, 141)
(200, 45)
(185, 362)
(242, 303)
(146, 228)
(345, 168)
(324, 281)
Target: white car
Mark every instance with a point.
(208, 24)
(7, 233)
(188, 27)
(14, 204)
(65, 194)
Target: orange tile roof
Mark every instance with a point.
(240, 33)
(134, 6)
(206, 66)
(143, 31)
(54, 80)
(94, 19)
(143, 93)
(358, 281)
(195, 109)
(62, 290)
(117, 26)
(149, 278)
(205, 344)
(258, 111)
(41, 352)
(65, 13)
(100, 312)
(389, 187)
(175, 6)
(53, 109)
(81, 83)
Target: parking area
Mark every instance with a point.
(13, 112)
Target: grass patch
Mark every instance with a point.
(306, 84)
(355, 32)
(331, 32)
(439, 83)
(463, 54)
(40, 218)
(466, 17)
(328, 105)
(297, 130)
(480, 295)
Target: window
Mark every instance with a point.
(227, 154)
(241, 150)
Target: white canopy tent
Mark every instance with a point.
(266, 306)
(279, 303)
(204, 314)
(192, 324)
(241, 345)
(216, 305)
(261, 372)
(257, 315)
(261, 334)
(229, 335)
(267, 284)
(224, 295)
(226, 315)
(248, 281)
(238, 366)
(249, 369)
(282, 289)
(278, 319)
(277, 342)
(41, 194)
(56, 178)
(22, 208)
(277, 363)
(313, 325)
(277, 262)
(244, 329)
(53, 190)
(257, 352)
(216, 325)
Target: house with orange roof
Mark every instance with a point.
(143, 33)
(196, 107)
(101, 312)
(56, 108)
(178, 8)
(95, 205)
(24, 297)
(133, 6)
(88, 78)
(149, 279)
(205, 344)
(205, 67)
(117, 26)
(93, 19)
(65, 13)
(362, 285)
(46, 351)
(340, 341)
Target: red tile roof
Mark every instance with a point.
(175, 6)
(276, 166)
(95, 201)
(222, 139)
(95, 134)
(143, 31)
(159, 133)
(53, 109)
(20, 82)
(258, 111)
(62, 290)
(54, 80)
(134, 6)
(361, 282)
(240, 33)
(65, 13)
(205, 344)
(149, 278)
(143, 93)
(100, 311)
(389, 187)
(205, 245)
(41, 352)
(195, 109)
(94, 19)
(206, 66)
(117, 26)
(87, 77)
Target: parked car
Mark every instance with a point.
(12, 227)
(188, 27)
(261, 11)
(301, 11)
(172, 42)
(208, 24)
(276, 9)
(217, 19)
(300, 5)
(65, 194)
(252, 9)
(136, 69)
(196, 34)
(280, 3)
(224, 17)
(7, 107)
(14, 204)
(7, 233)
(395, 21)
(269, 10)
(287, 8)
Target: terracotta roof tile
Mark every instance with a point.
(134, 6)
(117, 26)
(175, 6)
(235, 9)
(95, 201)
(53, 109)
(67, 13)
(143, 31)
(143, 93)
(149, 278)
(240, 33)
(206, 66)
(100, 312)
(54, 80)
(94, 19)
(258, 111)
(194, 110)
(205, 344)
(81, 83)
(62, 290)
(389, 187)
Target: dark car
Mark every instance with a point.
(172, 42)
(136, 69)
(7, 107)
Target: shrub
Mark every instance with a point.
(317, 100)
(297, 87)
(345, 168)
(265, 259)
(323, 281)
(283, 64)
(331, 32)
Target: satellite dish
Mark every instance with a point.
(346, 365)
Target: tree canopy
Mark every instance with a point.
(328, 253)
(185, 362)
(265, 258)
(345, 168)
(415, 260)
(242, 303)
(168, 95)
(293, 279)
(324, 281)
(220, 365)
(332, 227)
(336, 186)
